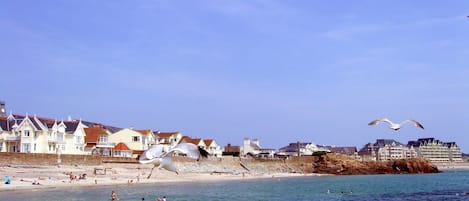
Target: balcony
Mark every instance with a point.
(12, 138)
(106, 144)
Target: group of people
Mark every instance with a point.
(114, 197)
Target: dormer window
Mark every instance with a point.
(26, 133)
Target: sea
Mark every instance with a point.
(448, 185)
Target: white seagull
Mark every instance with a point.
(162, 159)
(395, 126)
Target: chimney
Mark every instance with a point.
(2, 109)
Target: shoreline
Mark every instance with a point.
(121, 174)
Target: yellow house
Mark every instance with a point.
(33, 135)
(133, 139)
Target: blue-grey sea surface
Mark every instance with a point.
(450, 185)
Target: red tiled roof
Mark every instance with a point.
(196, 141)
(185, 139)
(121, 147)
(144, 132)
(93, 133)
(208, 142)
(167, 134)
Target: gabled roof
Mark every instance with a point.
(166, 134)
(121, 147)
(196, 141)
(185, 139)
(208, 142)
(93, 133)
(145, 132)
(71, 126)
(50, 124)
(383, 142)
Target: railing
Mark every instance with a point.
(12, 138)
(106, 144)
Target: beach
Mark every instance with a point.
(27, 177)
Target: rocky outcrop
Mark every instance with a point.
(344, 165)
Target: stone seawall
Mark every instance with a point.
(326, 164)
(50, 159)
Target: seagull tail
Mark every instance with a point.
(203, 152)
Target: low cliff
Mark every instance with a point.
(344, 165)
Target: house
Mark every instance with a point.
(213, 148)
(66, 136)
(97, 141)
(171, 139)
(134, 139)
(254, 149)
(9, 136)
(209, 145)
(168, 139)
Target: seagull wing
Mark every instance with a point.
(191, 150)
(410, 121)
(167, 163)
(377, 121)
(153, 152)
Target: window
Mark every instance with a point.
(26, 147)
(102, 138)
(26, 133)
(135, 138)
(78, 139)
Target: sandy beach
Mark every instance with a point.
(26, 177)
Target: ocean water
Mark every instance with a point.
(451, 185)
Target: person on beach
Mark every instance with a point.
(113, 196)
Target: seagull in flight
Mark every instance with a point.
(395, 126)
(161, 159)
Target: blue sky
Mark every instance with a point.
(279, 71)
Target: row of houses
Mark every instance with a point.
(382, 150)
(32, 134)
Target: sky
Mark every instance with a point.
(274, 70)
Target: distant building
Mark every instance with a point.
(436, 150)
(428, 148)
(301, 148)
(253, 148)
(231, 150)
(351, 151)
(386, 149)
